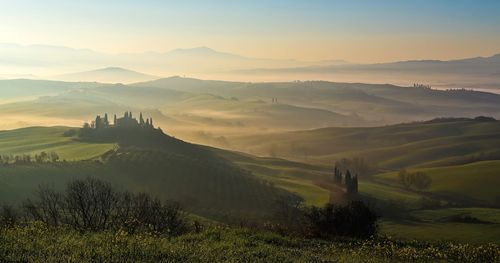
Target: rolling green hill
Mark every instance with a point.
(433, 143)
(34, 140)
(474, 181)
(221, 184)
(298, 178)
(137, 159)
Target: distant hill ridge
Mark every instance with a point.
(107, 75)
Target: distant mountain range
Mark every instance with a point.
(42, 62)
(50, 60)
(107, 75)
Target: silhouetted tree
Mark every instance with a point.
(98, 122)
(106, 121)
(141, 119)
(337, 175)
(355, 184)
(348, 180)
(351, 183)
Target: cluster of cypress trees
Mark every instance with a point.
(126, 121)
(350, 181)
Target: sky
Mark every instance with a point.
(357, 31)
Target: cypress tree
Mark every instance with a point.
(355, 184)
(337, 177)
(98, 122)
(141, 119)
(114, 120)
(348, 181)
(106, 121)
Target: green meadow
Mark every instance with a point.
(475, 181)
(34, 140)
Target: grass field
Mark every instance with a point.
(433, 231)
(388, 193)
(294, 177)
(38, 243)
(34, 140)
(476, 181)
(490, 215)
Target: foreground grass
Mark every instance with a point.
(38, 243)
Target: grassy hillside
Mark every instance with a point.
(438, 224)
(34, 140)
(301, 179)
(209, 180)
(474, 181)
(141, 160)
(433, 143)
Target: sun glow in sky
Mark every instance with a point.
(357, 31)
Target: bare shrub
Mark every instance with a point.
(93, 205)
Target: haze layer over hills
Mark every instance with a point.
(208, 111)
(36, 62)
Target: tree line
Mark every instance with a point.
(42, 157)
(126, 121)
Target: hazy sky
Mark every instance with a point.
(358, 31)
